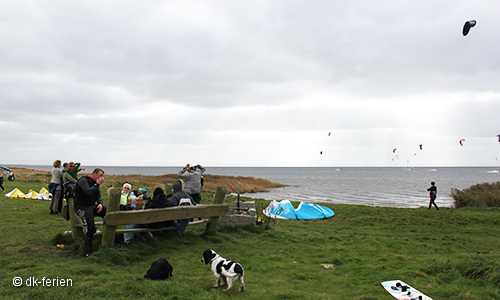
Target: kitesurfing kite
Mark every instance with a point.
(9, 173)
(394, 150)
(321, 152)
(420, 146)
(329, 133)
(498, 136)
(467, 26)
(462, 140)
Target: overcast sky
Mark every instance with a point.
(250, 83)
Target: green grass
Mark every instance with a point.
(447, 254)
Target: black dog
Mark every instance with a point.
(161, 269)
(223, 269)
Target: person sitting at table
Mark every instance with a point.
(180, 198)
(124, 196)
(145, 195)
(159, 200)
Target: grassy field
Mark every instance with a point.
(447, 254)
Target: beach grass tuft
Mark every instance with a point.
(478, 195)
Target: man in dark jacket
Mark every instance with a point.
(88, 202)
(180, 197)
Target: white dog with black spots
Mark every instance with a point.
(223, 269)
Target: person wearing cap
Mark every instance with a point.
(145, 195)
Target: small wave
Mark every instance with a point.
(494, 171)
(433, 170)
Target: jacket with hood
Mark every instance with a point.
(180, 197)
(192, 178)
(159, 200)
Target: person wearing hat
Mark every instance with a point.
(145, 195)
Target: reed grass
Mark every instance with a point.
(478, 195)
(211, 182)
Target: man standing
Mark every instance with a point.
(193, 178)
(88, 202)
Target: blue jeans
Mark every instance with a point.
(179, 226)
(127, 236)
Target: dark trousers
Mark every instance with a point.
(57, 198)
(433, 197)
(86, 214)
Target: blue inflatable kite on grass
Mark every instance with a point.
(305, 211)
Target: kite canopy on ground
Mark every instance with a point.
(16, 193)
(467, 26)
(305, 211)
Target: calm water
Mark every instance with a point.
(395, 187)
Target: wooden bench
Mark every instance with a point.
(210, 213)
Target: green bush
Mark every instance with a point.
(479, 195)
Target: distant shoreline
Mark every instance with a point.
(247, 184)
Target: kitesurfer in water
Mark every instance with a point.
(432, 194)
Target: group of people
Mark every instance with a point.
(67, 176)
(89, 203)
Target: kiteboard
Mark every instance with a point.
(403, 291)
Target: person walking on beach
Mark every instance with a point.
(432, 193)
(88, 202)
(193, 178)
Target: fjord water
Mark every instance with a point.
(394, 187)
(374, 186)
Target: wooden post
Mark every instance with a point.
(108, 232)
(74, 220)
(220, 194)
